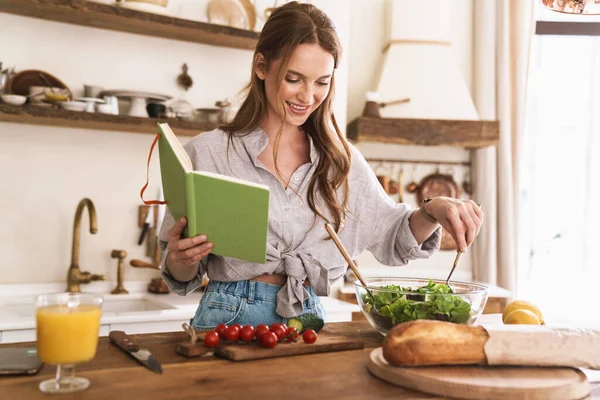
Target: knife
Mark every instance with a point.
(143, 356)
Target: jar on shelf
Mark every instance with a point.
(224, 107)
(182, 109)
(207, 115)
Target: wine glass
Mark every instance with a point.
(67, 328)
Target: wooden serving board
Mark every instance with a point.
(485, 382)
(326, 342)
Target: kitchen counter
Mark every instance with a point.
(136, 312)
(333, 375)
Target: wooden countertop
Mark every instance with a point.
(334, 375)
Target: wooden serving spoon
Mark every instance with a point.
(381, 319)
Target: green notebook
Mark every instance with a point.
(232, 213)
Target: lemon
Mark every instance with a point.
(51, 96)
(521, 316)
(522, 305)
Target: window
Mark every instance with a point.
(559, 254)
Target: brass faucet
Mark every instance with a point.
(75, 277)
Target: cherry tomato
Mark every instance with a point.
(211, 339)
(269, 339)
(220, 329)
(247, 333)
(291, 334)
(260, 330)
(272, 327)
(309, 336)
(232, 333)
(239, 326)
(279, 331)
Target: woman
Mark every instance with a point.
(285, 136)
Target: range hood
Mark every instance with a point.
(419, 64)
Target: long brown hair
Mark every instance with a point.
(289, 26)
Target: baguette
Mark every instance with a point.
(425, 342)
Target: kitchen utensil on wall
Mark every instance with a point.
(412, 186)
(23, 80)
(439, 184)
(383, 177)
(372, 106)
(401, 185)
(395, 186)
(184, 80)
(182, 108)
(384, 180)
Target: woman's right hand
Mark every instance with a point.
(188, 251)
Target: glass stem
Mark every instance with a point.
(57, 383)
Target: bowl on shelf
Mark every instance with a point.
(73, 105)
(14, 99)
(398, 300)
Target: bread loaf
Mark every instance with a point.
(425, 342)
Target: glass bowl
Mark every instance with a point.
(400, 300)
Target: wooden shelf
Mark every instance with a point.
(425, 132)
(49, 116)
(105, 16)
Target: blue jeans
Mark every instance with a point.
(245, 303)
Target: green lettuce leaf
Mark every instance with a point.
(426, 303)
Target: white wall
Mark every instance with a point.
(45, 171)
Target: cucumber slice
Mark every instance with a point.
(295, 323)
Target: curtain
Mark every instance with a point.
(502, 38)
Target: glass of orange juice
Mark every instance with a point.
(67, 328)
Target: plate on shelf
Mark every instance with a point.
(90, 99)
(154, 7)
(23, 80)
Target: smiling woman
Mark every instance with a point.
(285, 136)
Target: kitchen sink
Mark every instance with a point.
(113, 305)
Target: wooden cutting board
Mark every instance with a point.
(326, 342)
(483, 382)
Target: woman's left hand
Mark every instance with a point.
(461, 218)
